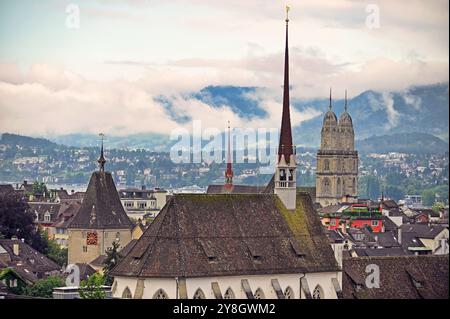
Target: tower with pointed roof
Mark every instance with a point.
(101, 219)
(337, 159)
(229, 170)
(286, 166)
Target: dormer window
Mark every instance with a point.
(47, 217)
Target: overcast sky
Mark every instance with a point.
(104, 74)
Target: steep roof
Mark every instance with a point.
(101, 207)
(235, 189)
(401, 277)
(229, 234)
(422, 230)
(28, 259)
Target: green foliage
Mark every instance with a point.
(428, 197)
(40, 189)
(44, 288)
(55, 252)
(92, 287)
(8, 275)
(437, 207)
(16, 221)
(111, 260)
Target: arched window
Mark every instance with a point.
(318, 293)
(326, 165)
(289, 293)
(229, 294)
(259, 294)
(114, 287)
(326, 186)
(354, 186)
(160, 294)
(338, 187)
(344, 191)
(282, 175)
(127, 294)
(199, 294)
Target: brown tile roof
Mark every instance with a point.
(422, 230)
(230, 234)
(235, 189)
(29, 260)
(67, 213)
(401, 277)
(41, 208)
(101, 207)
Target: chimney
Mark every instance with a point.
(25, 182)
(16, 249)
(399, 235)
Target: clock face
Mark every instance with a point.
(92, 238)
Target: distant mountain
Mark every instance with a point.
(423, 109)
(418, 143)
(25, 141)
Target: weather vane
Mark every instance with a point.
(287, 13)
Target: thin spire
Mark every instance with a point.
(286, 146)
(330, 106)
(346, 100)
(101, 159)
(229, 170)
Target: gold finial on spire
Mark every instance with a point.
(287, 13)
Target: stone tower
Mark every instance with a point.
(337, 160)
(286, 166)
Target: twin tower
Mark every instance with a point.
(337, 160)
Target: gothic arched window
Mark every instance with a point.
(127, 294)
(326, 165)
(326, 186)
(318, 293)
(229, 294)
(199, 294)
(160, 294)
(339, 188)
(289, 293)
(354, 186)
(259, 294)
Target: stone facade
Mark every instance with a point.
(82, 250)
(337, 160)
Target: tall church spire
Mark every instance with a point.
(330, 106)
(286, 147)
(286, 167)
(229, 170)
(345, 101)
(101, 160)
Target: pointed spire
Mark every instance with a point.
(330, 106)
(101, 160)
(286, 146)
(345, 100)
(229, 170)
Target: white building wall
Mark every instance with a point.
(151, 286)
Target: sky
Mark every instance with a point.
(92, 66)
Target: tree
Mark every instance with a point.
(40, 189)
(55, 252)
(111, 260)
(428, 197)
(92, 287)
(16, 220)
(44, 287)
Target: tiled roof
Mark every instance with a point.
(230, 234)
(29, 260)
(235, 189)
(422, 230)
(101, 207)
(401, 277)
(41, 208)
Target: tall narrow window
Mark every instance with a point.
(326, 165)
(289, 293)
(282, 175)
(229, 294)
(259, 294)
(318, 293)
(199, 294)
(160, 294)
(326, 186)
(127, 294)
